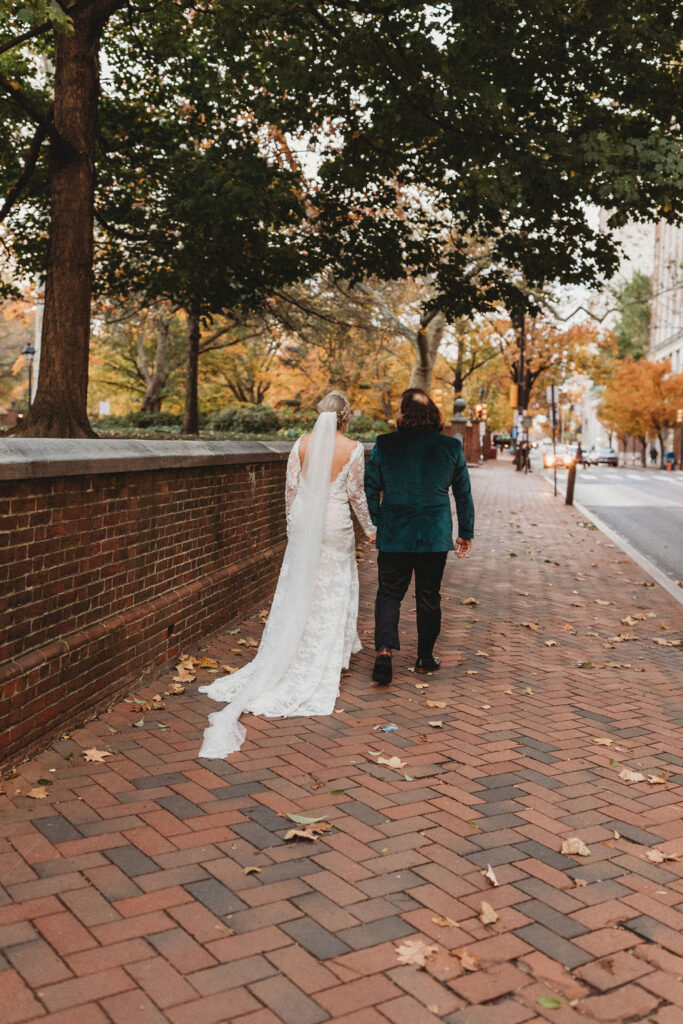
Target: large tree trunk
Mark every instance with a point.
(191, 416)
(427, 343)
(59, 408)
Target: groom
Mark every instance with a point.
(407, 483)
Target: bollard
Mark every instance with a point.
(571, 480)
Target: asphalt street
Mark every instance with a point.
(643, 506)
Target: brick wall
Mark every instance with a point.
(114, 557)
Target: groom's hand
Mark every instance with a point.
(462, 547)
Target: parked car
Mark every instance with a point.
(601, 457)
(561, 457)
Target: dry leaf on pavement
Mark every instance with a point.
(309, 832)
(415, 952)
(656, 856)
(628, 775)
(436, 703)
(470, 961)
(660, 779)
(602, 741)
(574, 847)
(580, 882)
(392, 762)
(445, 922)
(252, 870)
(174, 690)
(436, 725)
(470, 600)
(95, 755)
(491, 875)
(488, 914)
(38, 793)
(530, 625)
(550, 643)
(667, 643)
(206, 662)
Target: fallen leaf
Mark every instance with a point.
(392, 762)
(253, 870)
(206, 662)
(421, 686)
(657, 857)
(481, 654)
(471, 672)
(660, 779)
(599, 601)
(445, 922)
(310, 832)
(436, 703)
(550, 643)
(174, 690)
(95, 755)
(488, 914)
(629, 620)
(616, 834)
(139, 724)
(603, 741)
(574, 847)
(667, 643)
(470, 600)
(486, 707)
(522, 593)
(530, 625)
(622, 638)
(415, 952)
(549, 1002)
(436, 725)
(299, 819)
(585, 664)
(491, 875)
(470, 961)
(628, 775)
(527, 690)
(508, 691)
(224, 928)
(567, 628)
(37, 793)
(229, 669)
(580, 882)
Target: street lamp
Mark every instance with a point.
(28, 352)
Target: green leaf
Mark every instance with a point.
(549, 1002)
(139, 725)
(44, 782)
(337, 792)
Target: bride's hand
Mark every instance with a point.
(373, 537)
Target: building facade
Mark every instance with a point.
(666, 326)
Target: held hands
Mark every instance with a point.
(373, 537)
(462, 547)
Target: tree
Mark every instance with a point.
(632, 329)
(641, 399)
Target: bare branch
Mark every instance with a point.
(26, 173)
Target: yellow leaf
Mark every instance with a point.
(436, 703)
(603, 741)
(436, 725)
(470, 600)
(253, 870)
(205, 662)
(38, 793)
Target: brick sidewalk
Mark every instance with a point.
(126, 891)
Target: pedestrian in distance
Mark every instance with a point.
(408, 481)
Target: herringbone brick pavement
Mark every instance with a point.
(155, 888)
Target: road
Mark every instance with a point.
(643, 506)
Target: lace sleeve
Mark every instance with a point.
(356, 491)
(293, 476)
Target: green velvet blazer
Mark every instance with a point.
(407, 483)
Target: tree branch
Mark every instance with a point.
(41, 117)
(26, 174)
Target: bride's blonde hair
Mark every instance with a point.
(336, 401)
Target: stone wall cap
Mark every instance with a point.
(33, 457)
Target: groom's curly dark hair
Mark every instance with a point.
(417, 413)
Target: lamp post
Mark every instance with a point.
(29, 352)
(459, 422)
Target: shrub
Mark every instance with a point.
(245, 419)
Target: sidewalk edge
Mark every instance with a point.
(650, 568)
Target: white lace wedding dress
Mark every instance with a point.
(311, 630)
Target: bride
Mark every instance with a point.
(311, 630)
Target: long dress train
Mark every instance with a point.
(311, 630)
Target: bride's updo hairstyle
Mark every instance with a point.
(337, 402)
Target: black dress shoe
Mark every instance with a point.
(425, 665)
(381, 672)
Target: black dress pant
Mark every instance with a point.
(395, 570)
